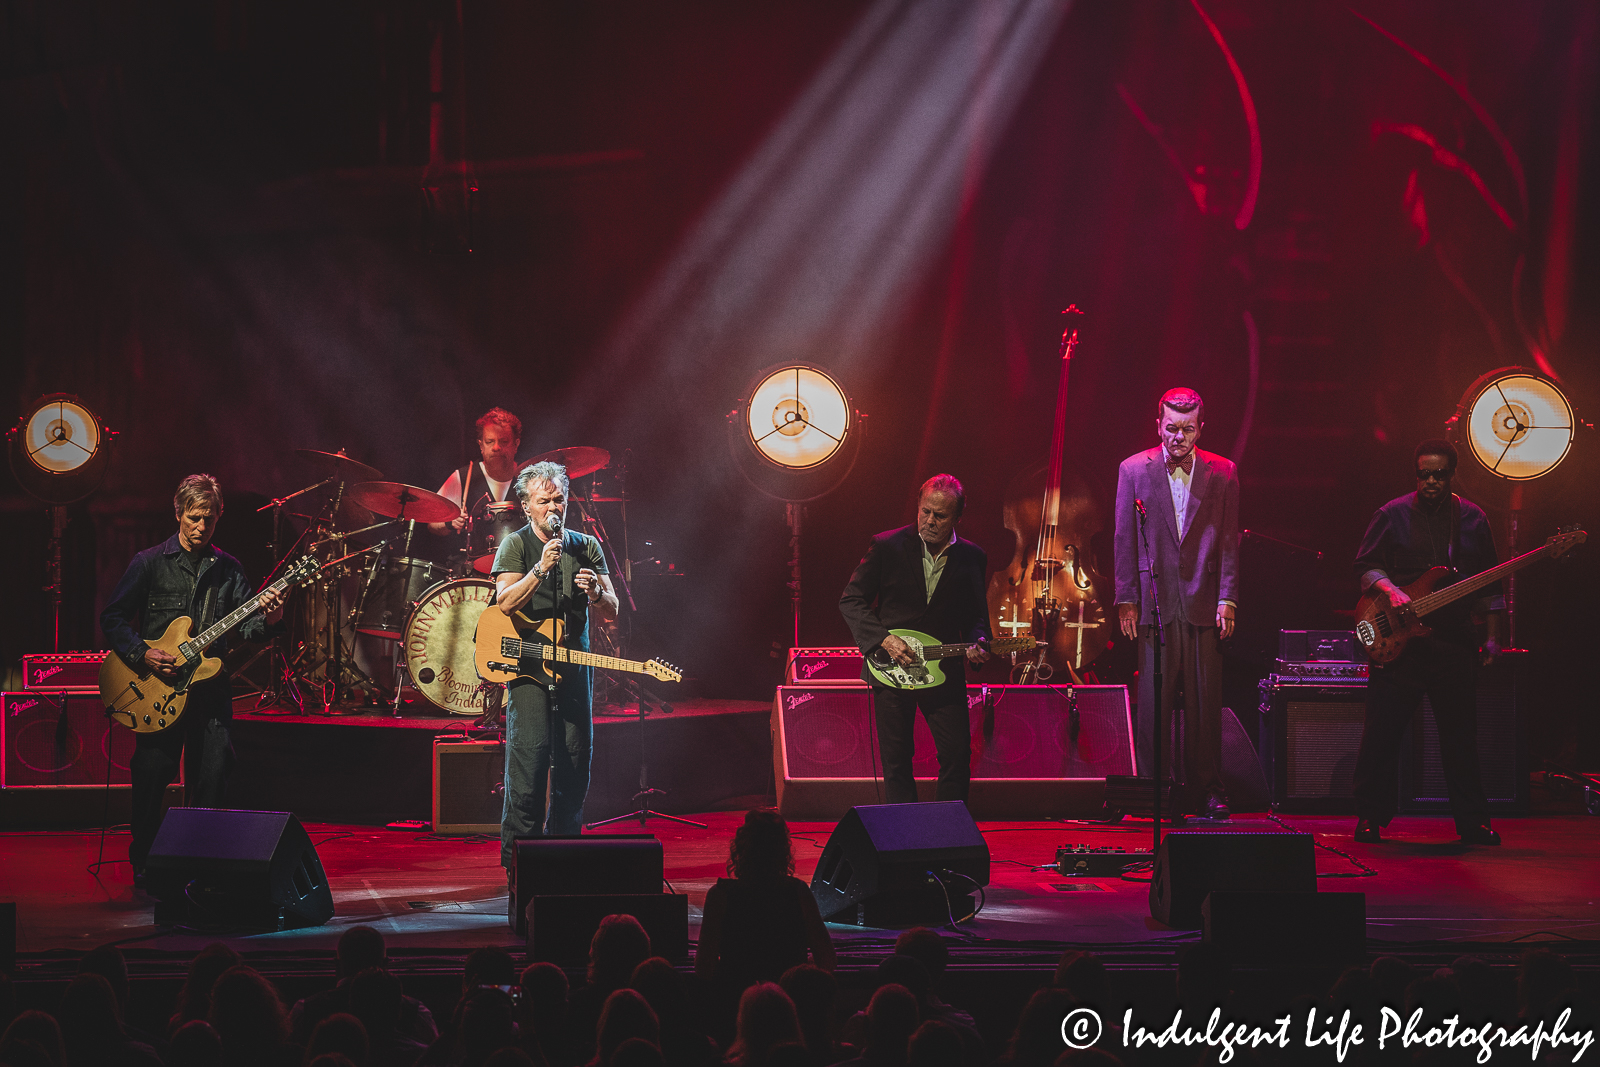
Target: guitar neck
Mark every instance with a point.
(1467, 586)
(1002, 647)
(223, 626)
(562, 654)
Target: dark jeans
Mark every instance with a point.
(1191, 748)
(1447, 673)
(545, 751)
(204, 742)
(945, 708)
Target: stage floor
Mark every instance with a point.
(447, 895)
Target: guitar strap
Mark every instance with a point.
(1455, 530)
(208, 609)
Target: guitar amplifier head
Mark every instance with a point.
(1300, 646)
(823, 666)
(62, 672)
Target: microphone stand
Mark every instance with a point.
(1155, 709)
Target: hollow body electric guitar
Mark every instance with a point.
(925, 673)
(504, 652)
(1385, 631)
(147, 703)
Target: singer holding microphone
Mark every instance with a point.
(1189, 502)
(545, 571)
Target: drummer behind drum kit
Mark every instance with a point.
(425, 610)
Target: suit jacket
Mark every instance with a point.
(887, 591)
(1196, 573)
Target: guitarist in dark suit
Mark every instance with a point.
(184, 575)
(1191, 501)
(1431, 527)
(922, 577)
(541, 569)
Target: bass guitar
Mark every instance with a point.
(1384, 631)
(147, 703)
(503, 653)
(925, 673)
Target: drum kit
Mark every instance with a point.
(388, 604)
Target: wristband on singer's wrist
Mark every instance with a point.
(539, 575)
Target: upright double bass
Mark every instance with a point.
(1051, 588)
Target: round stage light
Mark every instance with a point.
(798, 417)
(59, 449)
(61, 436)
(1518, 425)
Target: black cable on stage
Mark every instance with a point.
(1363, 871)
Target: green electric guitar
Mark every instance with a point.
(925, 673)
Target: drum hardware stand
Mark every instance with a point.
(645, 795)
(282, 685)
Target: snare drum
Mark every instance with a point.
(439, 644)
(391, 593)
(504, 518)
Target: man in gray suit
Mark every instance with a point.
(1191, 504)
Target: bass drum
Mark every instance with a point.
(439, 643)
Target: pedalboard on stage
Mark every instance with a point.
(1092, 861)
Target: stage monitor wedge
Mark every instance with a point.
(258, 870)
(1193, 863)
(881, 852)
(585, 865)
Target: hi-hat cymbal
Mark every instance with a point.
(339, 465)
(396, 500)
(578, 459)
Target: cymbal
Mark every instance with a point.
(578, 459)
(339, 465)
(397, 500)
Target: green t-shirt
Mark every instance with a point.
(520, 551)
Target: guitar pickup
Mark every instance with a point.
(508, 646)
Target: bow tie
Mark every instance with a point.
(1187, 463)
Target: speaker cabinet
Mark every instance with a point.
(1502, 745)
(61, 739)
(1320, 930)
(591, 865)
(1310, 734)
(881, 855)
(561, 927)
(1192, 864)
(468, 786)
(1049, 753)
(213, 867)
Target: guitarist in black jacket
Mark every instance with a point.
(922, 577)
(184, 575)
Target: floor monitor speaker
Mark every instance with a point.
(883, 858)
(560, 928)
(1317, 930)
(588, 865)
(213, 867)
(1193, 863)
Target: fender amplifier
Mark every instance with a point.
(823, 666)
(63, 672)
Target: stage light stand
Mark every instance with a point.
(59, 450)
(1519, 426)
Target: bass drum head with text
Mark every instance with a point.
(439, 644)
